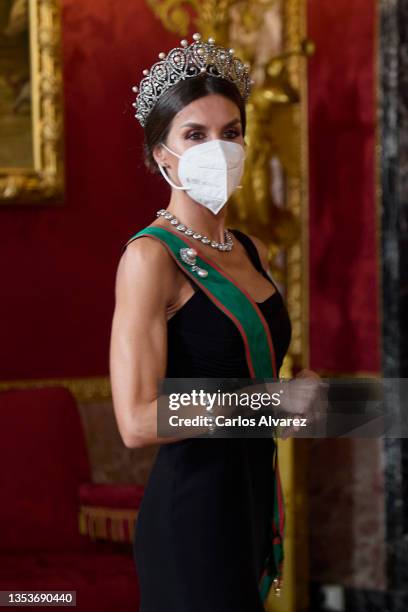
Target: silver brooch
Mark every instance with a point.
(188, 255)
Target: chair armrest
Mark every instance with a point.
(109, 511)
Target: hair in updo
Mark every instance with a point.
(181, 94)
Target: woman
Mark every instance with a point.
(203, 531)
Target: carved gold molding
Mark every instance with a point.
(44, 181)
(294, 454)
(211, 17)
(90, 390)
(298, 187)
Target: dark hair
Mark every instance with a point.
(174, 100)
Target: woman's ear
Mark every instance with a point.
(159, 154)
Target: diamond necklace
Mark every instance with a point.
(221, 246)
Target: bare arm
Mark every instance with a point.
(145, 280)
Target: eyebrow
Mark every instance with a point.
(199, 125)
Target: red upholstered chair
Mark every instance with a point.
(48, 505)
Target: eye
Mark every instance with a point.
(233, 133)
(192, 135)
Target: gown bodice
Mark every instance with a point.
(204, 342)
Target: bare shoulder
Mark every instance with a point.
(146, 249)
(262, 250)
(146, 266)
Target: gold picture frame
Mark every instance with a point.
(31, 112)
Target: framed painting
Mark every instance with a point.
(31, 112)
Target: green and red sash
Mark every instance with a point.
(235, 302)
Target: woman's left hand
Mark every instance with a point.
(301, 399)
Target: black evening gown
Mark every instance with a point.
(202, 531)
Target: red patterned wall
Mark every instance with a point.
(344, 309)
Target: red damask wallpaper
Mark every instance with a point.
(344, 308)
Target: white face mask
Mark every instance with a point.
(210, 172)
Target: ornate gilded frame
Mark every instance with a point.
(44, 181)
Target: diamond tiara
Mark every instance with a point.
(189, 61)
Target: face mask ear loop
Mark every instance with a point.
(170, 151)
(168, 179)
